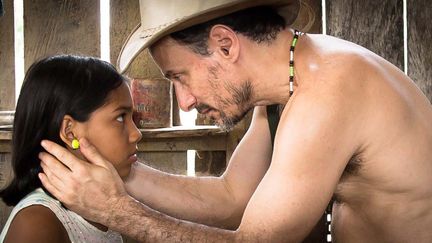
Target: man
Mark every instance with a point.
(354, 128)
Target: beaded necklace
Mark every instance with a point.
(291, 63)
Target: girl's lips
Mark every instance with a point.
(133, 158)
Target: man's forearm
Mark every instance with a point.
(198, 199)
(140, 222)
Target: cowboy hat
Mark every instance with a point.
(163, 17)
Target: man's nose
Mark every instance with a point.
(185, 99)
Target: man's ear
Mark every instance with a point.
(224, 41)
(67, 130)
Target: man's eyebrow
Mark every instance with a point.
(168, 74)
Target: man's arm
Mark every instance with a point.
(317, 136)
(215, 201)
(315, 139)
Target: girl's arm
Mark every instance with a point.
(36, 224)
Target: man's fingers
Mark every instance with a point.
(52, 177)
(59, 152)
(50, 187)
(54, 164)
(91, 153)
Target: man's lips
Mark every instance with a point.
(205, 111)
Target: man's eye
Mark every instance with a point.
(120, 118)
(176, 78)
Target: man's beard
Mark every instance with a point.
(228, 123)
(241, 97)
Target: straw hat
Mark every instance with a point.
(162, 17)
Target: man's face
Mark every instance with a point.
(208, 83)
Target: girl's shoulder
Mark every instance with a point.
(36, 223)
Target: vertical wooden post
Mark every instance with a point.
(376, 25)
(420, 44)
(7, 58)
(60, 27)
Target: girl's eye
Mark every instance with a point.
(120, 118)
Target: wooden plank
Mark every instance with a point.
(5, 176)
(60, 27)
(210, 163)
(171, 132)
(182, 131)
(205, 142)
(171, 162)
(376, 25)
(420, 45)
(7, 58)
(213, 143)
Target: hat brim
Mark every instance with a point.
(135, 43)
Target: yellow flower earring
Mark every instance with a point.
(75, 144)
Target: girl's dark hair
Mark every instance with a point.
(260, 24)
(53, 87)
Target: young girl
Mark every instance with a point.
(64, 98)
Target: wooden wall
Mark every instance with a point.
(60, 27)
(378, 26)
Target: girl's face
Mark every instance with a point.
(112, 131)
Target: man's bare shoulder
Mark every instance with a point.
(337, 61)
(36, 224)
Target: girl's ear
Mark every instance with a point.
(67, 130)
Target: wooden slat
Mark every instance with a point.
(60, 27)
(376, 25)
(420, 44)
(210, 163)
(208, 143)
(171, 162)
(7, 58)
(182, 131)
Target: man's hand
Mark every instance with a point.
(93, 189)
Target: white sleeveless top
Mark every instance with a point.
(78, 229)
